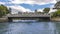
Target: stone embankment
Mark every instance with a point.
(56, 19)
(3, 19)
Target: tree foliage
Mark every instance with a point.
(46, 10)
(57, 13)
(3, 10)
(57, 5)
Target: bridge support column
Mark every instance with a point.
(9, 19)
(44, 19)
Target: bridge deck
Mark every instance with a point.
(27, 15)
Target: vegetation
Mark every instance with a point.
(57, 13)
(3, 10)
(57, 5)
(46, 10)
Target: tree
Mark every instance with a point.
(3, 10)
(46, 10)
(57, 5)
(57, 13)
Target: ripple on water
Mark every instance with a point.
(30, 28)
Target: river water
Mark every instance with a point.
(30, 28)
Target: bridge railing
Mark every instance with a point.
(28, 15)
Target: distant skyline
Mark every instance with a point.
(28, 5)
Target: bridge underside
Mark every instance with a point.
(29, 18)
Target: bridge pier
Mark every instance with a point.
(44, 19)
(9, 19)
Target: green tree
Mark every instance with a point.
(46, 10)
(3, 10)
(57, 13)
(57, 5)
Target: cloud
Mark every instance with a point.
(57, 0)
(39, 2)
(16, 4)
(52, 10)
(20, 8)
(32, 2)
(41, 10)
(2, 3)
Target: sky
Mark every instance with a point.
(28, 5)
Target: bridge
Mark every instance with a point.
(28, 16)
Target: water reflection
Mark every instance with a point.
(30, 28)
(3, 27)
(58, 27)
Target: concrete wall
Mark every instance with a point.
(3, 20)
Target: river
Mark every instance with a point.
(30, 28)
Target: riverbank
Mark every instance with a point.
(55, 19)
(3, 19)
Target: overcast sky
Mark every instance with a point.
(28, 5)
